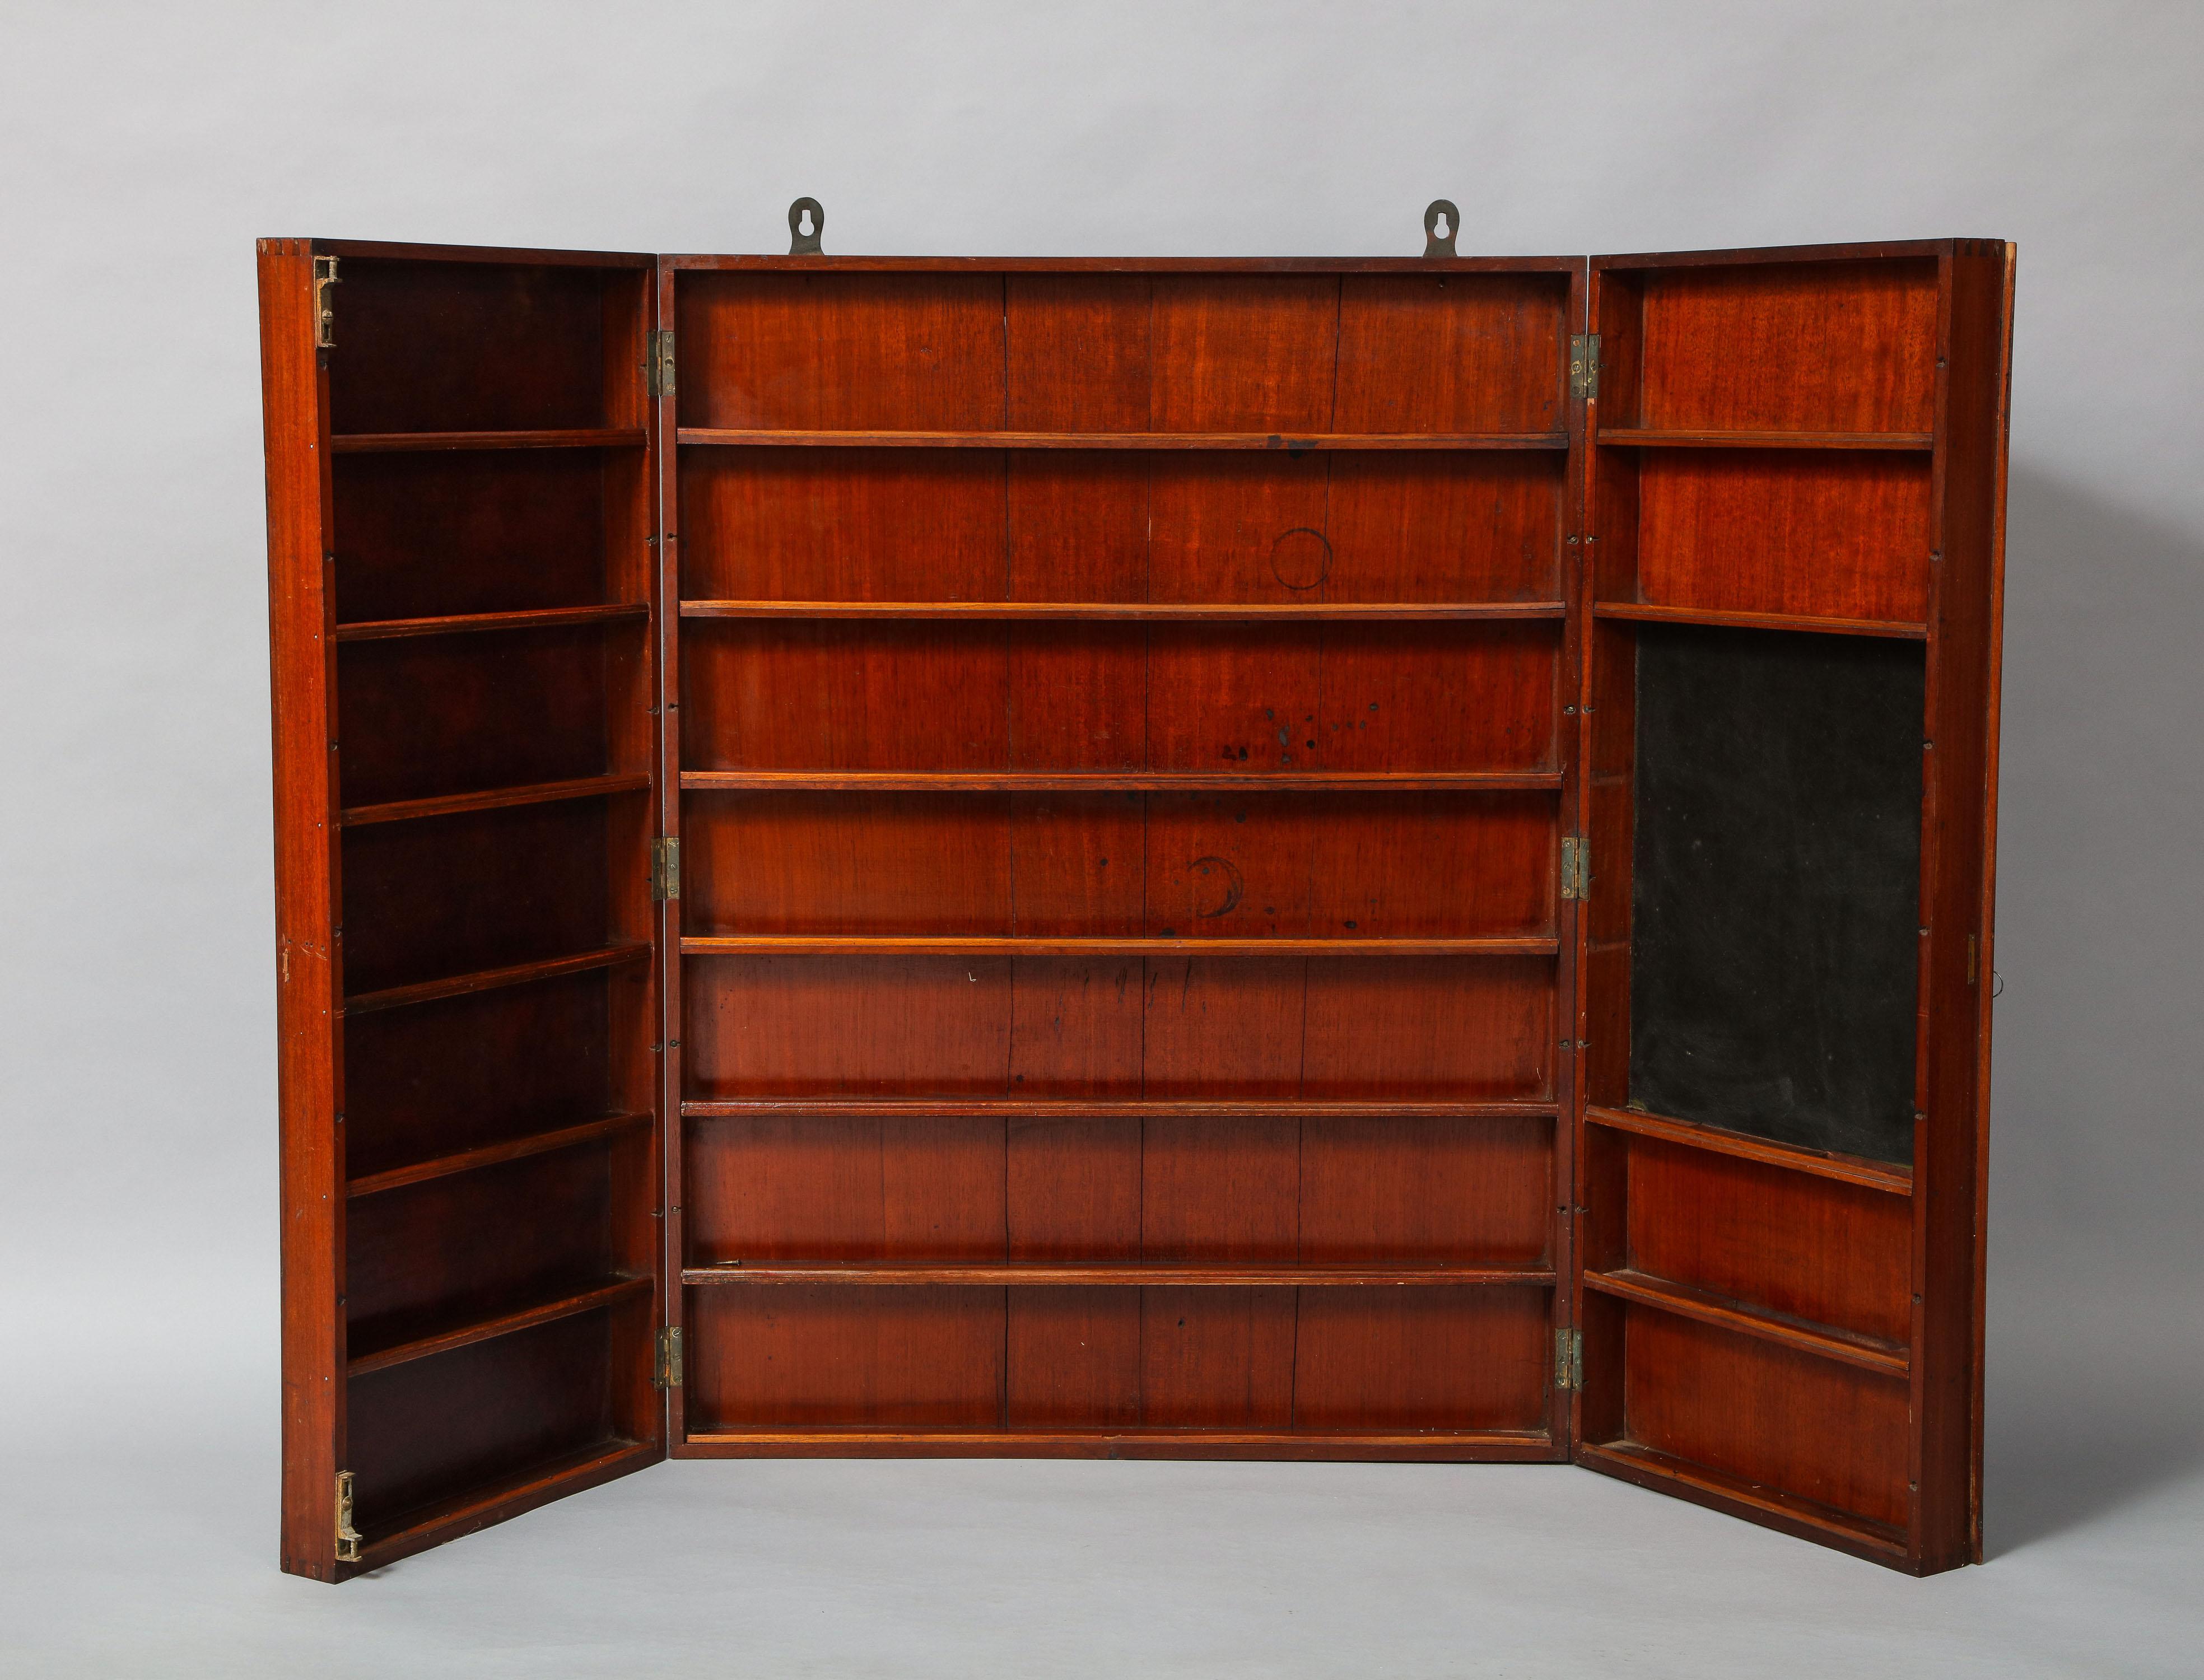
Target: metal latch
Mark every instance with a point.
(1576, 868)
(666, 1374)
(325, 314)
(1568, 1359)
(657, 362)
(347, 1535)
(1583, 366)
(665, 870)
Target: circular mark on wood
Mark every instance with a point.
(1301, 558)
(1234, 885)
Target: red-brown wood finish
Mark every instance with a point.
(462, 613)
(1121, 1000)
(309, 984)
(1806, 441)
(1140, 686)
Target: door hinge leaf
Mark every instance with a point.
(347, 1535)
(1576, 868)
(667, 1373)
(1583, 366)
(665, 870)
(325, 314)
(1568, 1359)
(657, 362)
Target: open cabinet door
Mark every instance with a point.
(1795, 495)
(461, 497)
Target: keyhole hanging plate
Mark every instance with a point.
(801, 244)
(1442, 211)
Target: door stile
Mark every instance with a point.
(309, 969)
(1958, 834)
(664, 385)
(1570, 922)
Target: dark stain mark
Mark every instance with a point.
(1235, 884)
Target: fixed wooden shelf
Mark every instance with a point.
(1643, 1289)
(565, 1304)
(746, 944)
(1056, 1108)
(1137, 1442)
(463, 623)
(1650, 1467)
(1219, 1275)
(1845, 1169)
(1723, 618)
(1117, 781)
(494, 799)
(493, 1501)
(489, 980)
(1663, 437)
(1140, 611)
(1291, 443)
(493, 1155)
(398, 443)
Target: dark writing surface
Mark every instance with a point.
(1776, 884)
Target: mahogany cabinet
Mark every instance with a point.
(1320, 859)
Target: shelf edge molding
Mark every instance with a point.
(1132, 781)
(1198, 611)
(565, 1305)
(491, 979)
(495, 1155)
(1223, 1275)
(1665, 437)
(1824, 1340)
(1714, 617)
(851, 946)
(1282, 442)
(403, 443)
(494, 799)
(468, 623)
(1065, 1107)
(1846, 1168)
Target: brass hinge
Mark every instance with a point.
(657, 362)
(1583, 366)
(1568, 1359)
(666, 1374)
(325, 313)
(665, 870)
(1576, 868)
(347, 1535)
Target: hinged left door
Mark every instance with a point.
(462, 521)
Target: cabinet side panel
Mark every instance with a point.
(294, 404)
(1958, 886)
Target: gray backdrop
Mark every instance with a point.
(145, 146)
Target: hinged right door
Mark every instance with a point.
(1795, 477)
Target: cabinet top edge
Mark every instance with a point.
(1882, 250)
(1404, 265)
(399, 250)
